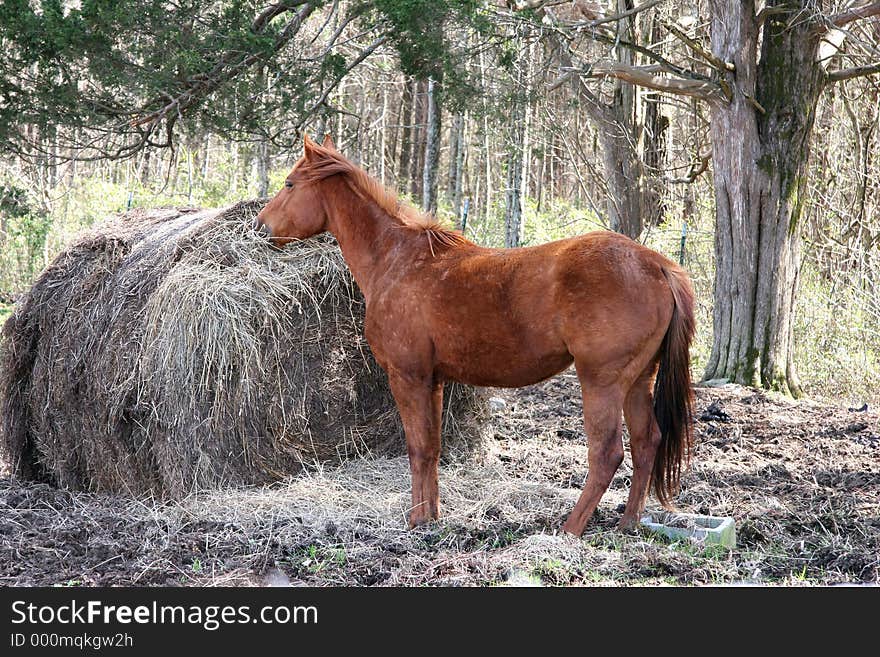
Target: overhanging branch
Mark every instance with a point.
(201, 86)
(855, 72)
(624, 14)
(698, 49)
(648, 76)
(856, 13)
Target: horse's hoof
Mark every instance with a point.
(571, 529)
(628, 528)
(421, 521)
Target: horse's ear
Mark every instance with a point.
(308, 146)
(328, 142)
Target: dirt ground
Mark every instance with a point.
(801, 479)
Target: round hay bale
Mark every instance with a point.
(174, 350)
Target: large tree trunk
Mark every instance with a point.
(760, 150)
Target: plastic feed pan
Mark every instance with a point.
(711, 530)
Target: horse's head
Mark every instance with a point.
(296, 211)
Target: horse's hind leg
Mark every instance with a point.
(602, 421)
(644, 439)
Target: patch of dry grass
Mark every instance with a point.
(800, 479)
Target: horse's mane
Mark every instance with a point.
(324, 162)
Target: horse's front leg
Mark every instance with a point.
(420, 403)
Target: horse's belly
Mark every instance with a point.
(502, 369)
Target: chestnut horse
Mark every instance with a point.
(440, 308)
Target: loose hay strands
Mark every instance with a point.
(171, 350)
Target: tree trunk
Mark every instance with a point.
(653, 148)
(513, 205)
(654, 140)
(617, 135)
(406, 121)
(420, 116)
(262, 163)
(516, 147)
(383, 139)
(455, 139)
(458, 175)
(432, 147)
(761, 144)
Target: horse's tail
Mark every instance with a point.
(673, 397)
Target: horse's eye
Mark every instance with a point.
(288, 184)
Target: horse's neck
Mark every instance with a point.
(368, 237)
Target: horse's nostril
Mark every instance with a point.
(260, 227)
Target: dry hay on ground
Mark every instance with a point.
(174, 350)
(800, 479)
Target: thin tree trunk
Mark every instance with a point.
(420, 113)
(432, 147)
(383, 127)
(455, 139)
(406, 123)
(262, 164)
(516, 146)
(233, 183)
(458, 171)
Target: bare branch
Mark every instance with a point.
(624, 14)
(646, 76)
(650, 54)
(366, 52)
(699, 166)
(524, 5)
(855, 72)
(857, 13)
(272, 11)
(562, 80)
(698, 49)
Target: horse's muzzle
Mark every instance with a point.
(260, 227)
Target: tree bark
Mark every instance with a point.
(262, 163)
(513, 204)
(761, 144)
(406, 121)
(516, 149)
(420, 118)
(457, 167)
(432, 147)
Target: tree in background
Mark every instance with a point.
(762, 77)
